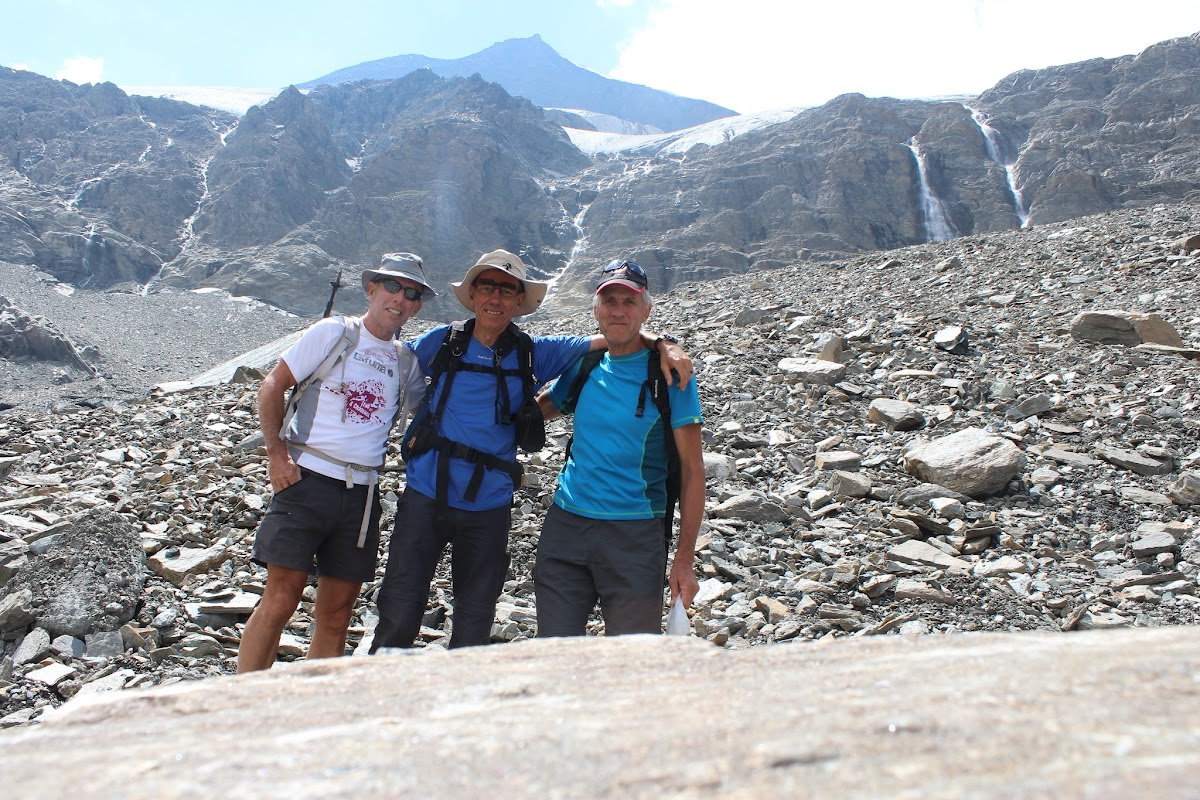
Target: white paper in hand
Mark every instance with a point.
(678, 623)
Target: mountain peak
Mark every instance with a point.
(532, 69)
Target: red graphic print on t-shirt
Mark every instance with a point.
(362, 401)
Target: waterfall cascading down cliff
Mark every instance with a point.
(992, 141)
(933, 210)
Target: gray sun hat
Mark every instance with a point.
(400, 265)
(535, 291)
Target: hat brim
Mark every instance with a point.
(427, 292)
(535, 291)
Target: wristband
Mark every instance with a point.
(666, 337)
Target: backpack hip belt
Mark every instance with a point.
(350, 468)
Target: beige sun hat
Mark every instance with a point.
(535, 291)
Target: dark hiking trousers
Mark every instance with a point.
(582, 561)
(478, 564)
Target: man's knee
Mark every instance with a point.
(282, 594)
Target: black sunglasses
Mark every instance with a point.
(506, 290)
(617, 265)
(394, 286)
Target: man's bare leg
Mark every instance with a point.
(335, 605)
(260, 639)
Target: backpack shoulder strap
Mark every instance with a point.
(345, 343)
(525, 357)
(586, 365)
(454, 345)
(656, 386)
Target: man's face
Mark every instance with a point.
(621, 312)
(493, 311)
(387, 311)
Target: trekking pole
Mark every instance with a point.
(336, 283)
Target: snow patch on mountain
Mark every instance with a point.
(235, 100)
(710, 133)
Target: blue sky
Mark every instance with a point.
(747, 55)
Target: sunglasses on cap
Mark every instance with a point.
(620, 269)
(394, 286)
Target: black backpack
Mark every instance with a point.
(655, 386)
(422, 433)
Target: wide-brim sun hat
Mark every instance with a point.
(535, 291)
(400, 265)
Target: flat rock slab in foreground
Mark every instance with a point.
(1097, 714)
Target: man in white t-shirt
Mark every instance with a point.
(324, 448)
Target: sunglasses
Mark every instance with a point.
(394, 286)
(506, 290)
(618, 265)
(628, 270)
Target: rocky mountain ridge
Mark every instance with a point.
(532, 69)
(995, 433)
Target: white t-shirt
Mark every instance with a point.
(357, 400)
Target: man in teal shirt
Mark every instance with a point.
(603, 537)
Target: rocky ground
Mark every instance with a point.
(132, 342)
(922, 441)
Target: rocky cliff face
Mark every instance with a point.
(311, 184)
(1039, 147)
(99, 188)
(96, 186)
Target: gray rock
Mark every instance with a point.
(910, 589)
(1134, 461)
(67, 646)
(812, 370)
(896, 414)
(719, 465)
(952, 339)
(91, 577)
(1186, 489)
(104, 644)
(837, 460)
(751, 506)
(915, 552)
(33, 647)
(12, 558)
(919, 496)
(176, 565)
(1031, 406)
(849, 484)
(1124, 327)
(971, 461)
(16, 610)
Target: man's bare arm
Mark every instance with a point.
(271, 409)
(691, 511)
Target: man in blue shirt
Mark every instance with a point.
(460, 487)
(603, 539)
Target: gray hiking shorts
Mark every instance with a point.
(313, 526)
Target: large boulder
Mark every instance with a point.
(972, 461)
(90, 579)
(1129, 328)
(536, 726)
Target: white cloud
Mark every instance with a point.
(759, 54)
(81, 69)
